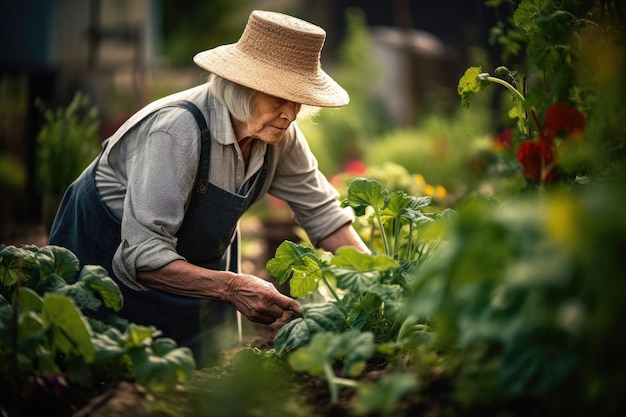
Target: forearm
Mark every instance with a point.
(344, 236)
(254, 297)
(182, 278)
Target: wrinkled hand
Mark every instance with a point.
(261, 302)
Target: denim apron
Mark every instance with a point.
(207, 238)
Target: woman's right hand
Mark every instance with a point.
(255, 298)
(261, 302)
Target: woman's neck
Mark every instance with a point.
(240, 128)
(243, 138)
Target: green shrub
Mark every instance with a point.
(66, 143)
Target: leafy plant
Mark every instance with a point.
(45, 333)
(555, 103)
(366, 290)
(66, 143)
(317, 358)
(512, 295)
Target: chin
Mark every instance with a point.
(272, 140)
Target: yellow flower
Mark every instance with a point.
(563, 223)
(440, 192)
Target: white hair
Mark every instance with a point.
(239, 100)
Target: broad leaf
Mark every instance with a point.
(30, 300)
(355, 281)
(298, 263)
(356, 271)
(316, 318)
(414, 217)
(57, 260)
(470, 84)
(109, 345)
(97, 280)
(354, 347)
(383, 397)
(363, 193)
(397, 201)
(70, 332)
(32, 329)
(137, 335)
(313, 357)
(163, 365)
(525, 17)
(359, 347)
(348, 257)
(391, 296)
(13, 261)
(8, 276)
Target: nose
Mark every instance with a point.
(290, 110)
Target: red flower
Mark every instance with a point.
(354, 166)
(560, 117)
(504, 139)
(536, 158)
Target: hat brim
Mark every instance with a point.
(228, 62)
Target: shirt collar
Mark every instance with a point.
(220, 125)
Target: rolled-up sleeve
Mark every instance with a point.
(312, 198)
(161, 174)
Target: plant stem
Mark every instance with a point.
(408, 322)
(383, 235)
(335, 382)
(410, 242)
(331, 289)
(396, 244)
(507, 85)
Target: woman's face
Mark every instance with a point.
(271, 118)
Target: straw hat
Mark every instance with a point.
(278, 55)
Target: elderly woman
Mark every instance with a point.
(159, 207)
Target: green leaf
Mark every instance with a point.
(400, 203)
(97, 280)
(470, 84)
(518, 114)
(152, 371)
(355, 281)
(356, 271)
(397, 201)
(316, 318)
(109, 345)
(306, 277)
(358, 347)
(13, 262)
(138, 335)
(313, 357)
(32, 329)
(69, 330)
(162, 365)
(57, 260)
(8, 276)
(180, 358)
(349, 258)
(12, 256)
(391, 296)
(383, 397)
(297, 263)
(362, 193)
(30, 300)
(354, 347)
(525, 17)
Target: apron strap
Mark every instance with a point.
(202, 179)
